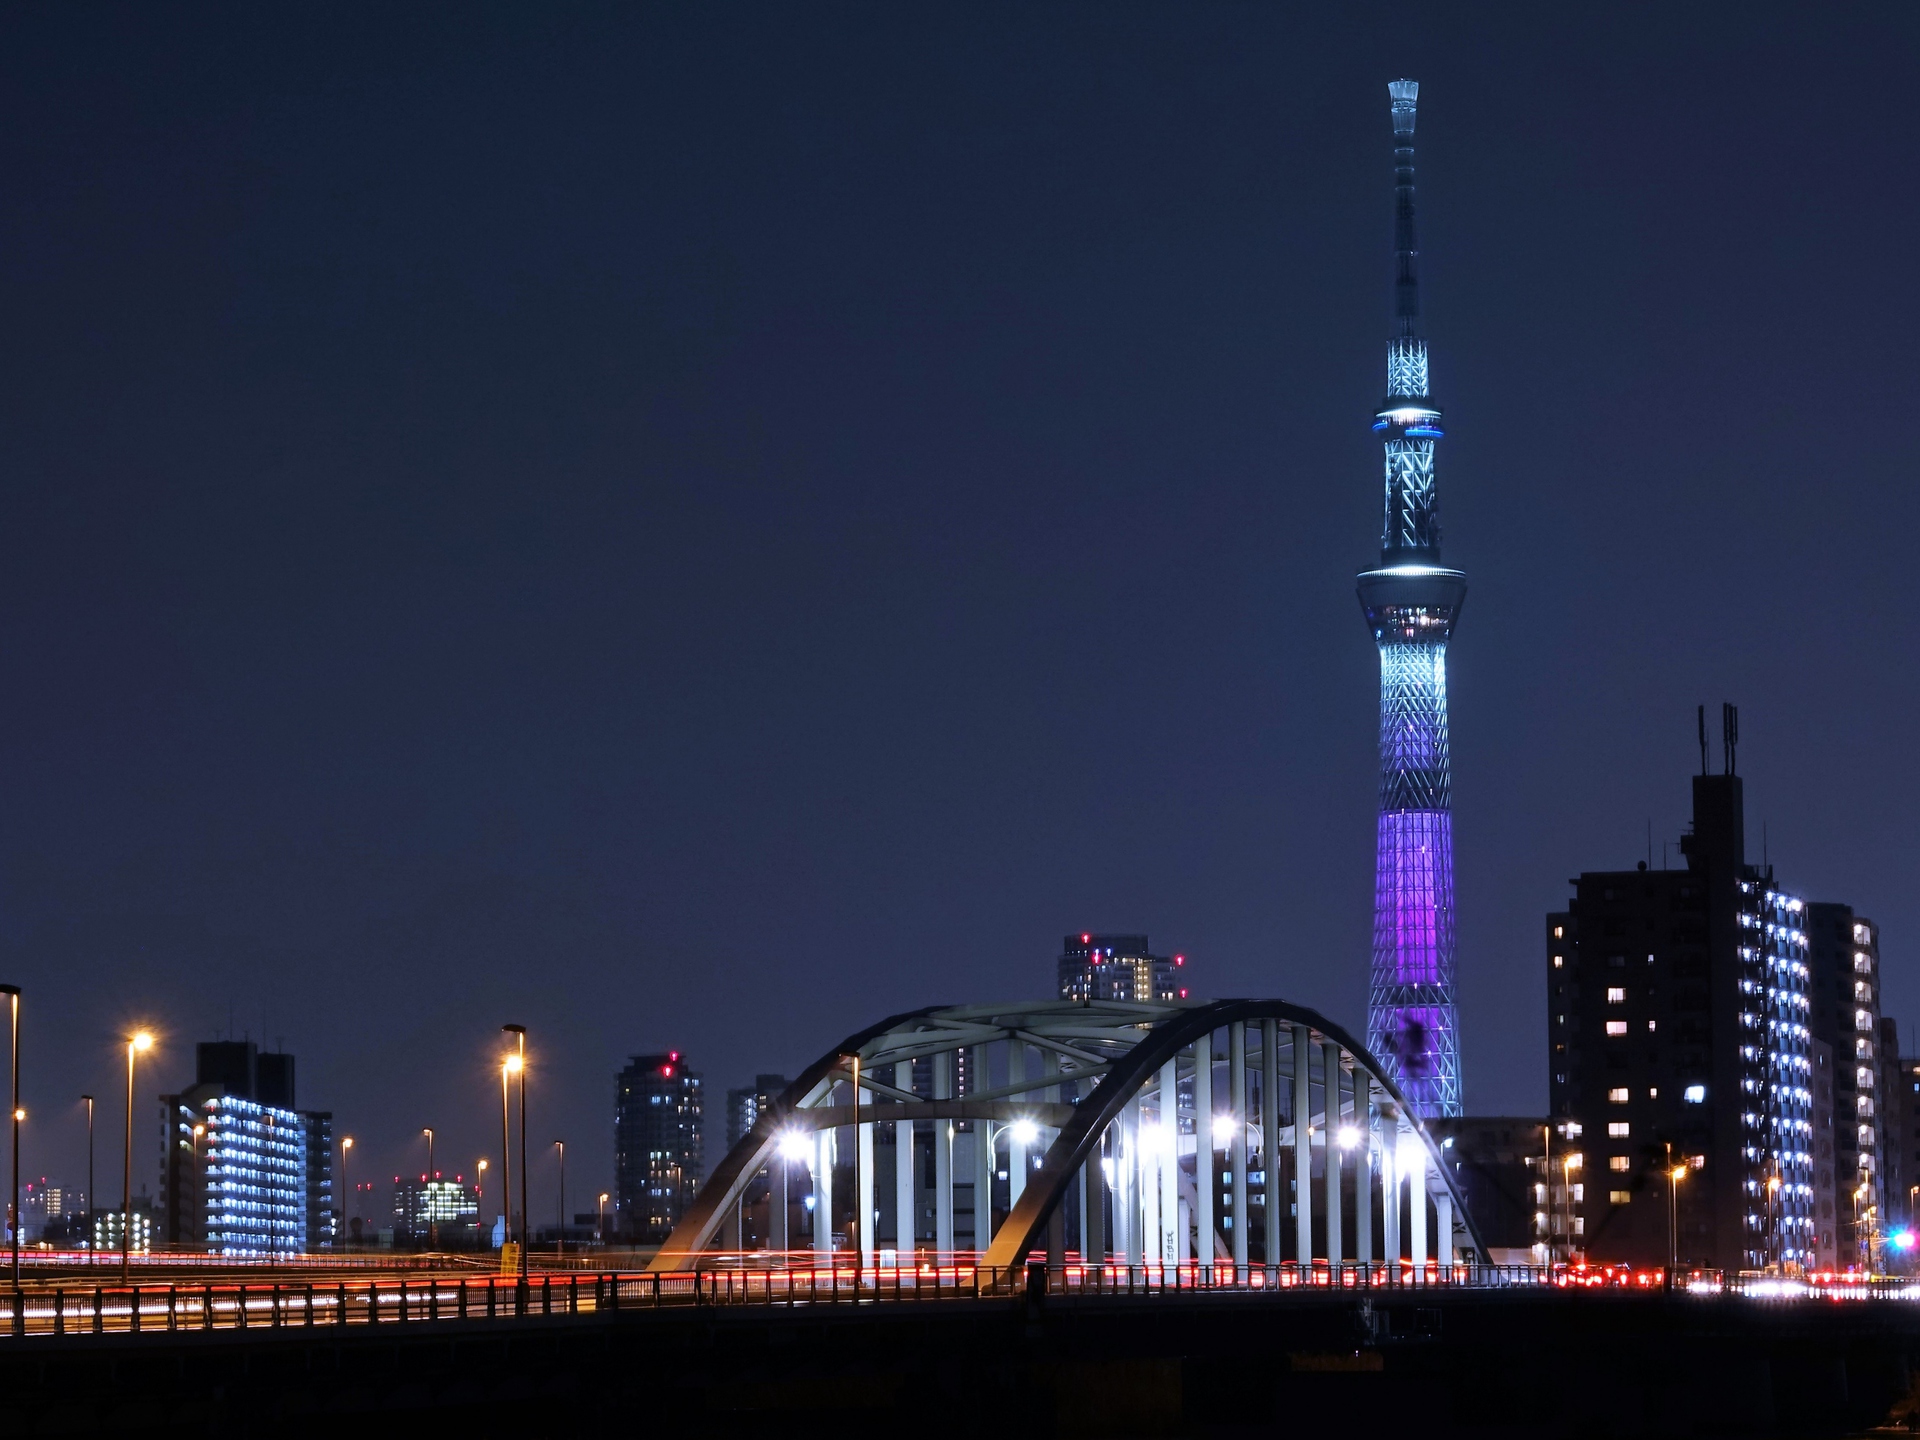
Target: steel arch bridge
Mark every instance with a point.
(1250, 1133)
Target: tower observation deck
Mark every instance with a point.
(1411, 603)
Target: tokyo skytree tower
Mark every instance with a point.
(1411, 602)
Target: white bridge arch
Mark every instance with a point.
(1139, 1134)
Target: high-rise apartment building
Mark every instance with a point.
(659, 1144)
(1680, 1026)
(242, 1172)
(1412, 603)
(747, 1104)
(1117, 967)
(1843, 950)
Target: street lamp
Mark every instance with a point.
(137, 1043)
(346, 1184)
(793, 1148)
(603, 1217)
(12, 992)
(433, 1214)
(1773, 1236)
(517, 1064)
(560, 1242)
(507, 1067)
(93, 1205)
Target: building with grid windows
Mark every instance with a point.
(1680, 1025)
(1843, 950)
(659, 1144)
(242, 1172)
(1118, 967)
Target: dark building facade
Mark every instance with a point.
(1117, 967)
(1498, 1162)
(1843, 950)
(1679, 1026)
(747, 1104)
(659, 1145)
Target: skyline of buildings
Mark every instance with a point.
(1117, 967)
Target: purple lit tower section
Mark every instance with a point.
(1411, 602)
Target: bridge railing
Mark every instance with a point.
(177, 1306)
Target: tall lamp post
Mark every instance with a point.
(93, 1205)
(137, 1044)
(517, 1063)
(346, 1186)
(433, 1216)
(506, 1154)
(560, 1241)
(1675, 1174)
(602, 1227)
(12, 992)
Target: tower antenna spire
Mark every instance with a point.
(1412, 603)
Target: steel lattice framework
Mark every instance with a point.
(1145, 1136)
(1412, 603)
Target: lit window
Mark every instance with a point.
(1619, 1197)
(1652, 1023)
(1556, 962)
(1616, 1027)
(1558, 932)
(1619, 1162)
(1618, 1097)
(1618, 1129)
(1616, 995)
(1653, 1092)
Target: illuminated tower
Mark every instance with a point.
(1411, 603)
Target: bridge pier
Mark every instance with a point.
(1330, 1086)
(1237, 1145)
(943, 1164)
(905, 1207)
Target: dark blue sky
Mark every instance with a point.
(703, 526)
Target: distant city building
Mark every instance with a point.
(1678, 1017)
(1827, 1229)
(1843, 950)
(1900, 1161)
(746, 1105)
(422, 1205)
(1497, 1161)
(659, 1144)
(242, 1172)
(1118, 967)
(107, 1228)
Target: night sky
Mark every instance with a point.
(704, 526)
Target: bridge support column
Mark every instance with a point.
(823, 1193)
(1273, 1193)
(1330, 1087)
(1173, 1246)
(1417, 1204)
(1093, 1207)
(943, 1162)
(1363, 1168)
(905, 1208)
(1443, 1223)
(1303, 1143)
(863, 1160)
(779, 1186)
(1237, 1151)
(1016, 1147)
(1203, 1189)
(983, 1181)
(1127, 1171)
(1391, 1187)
